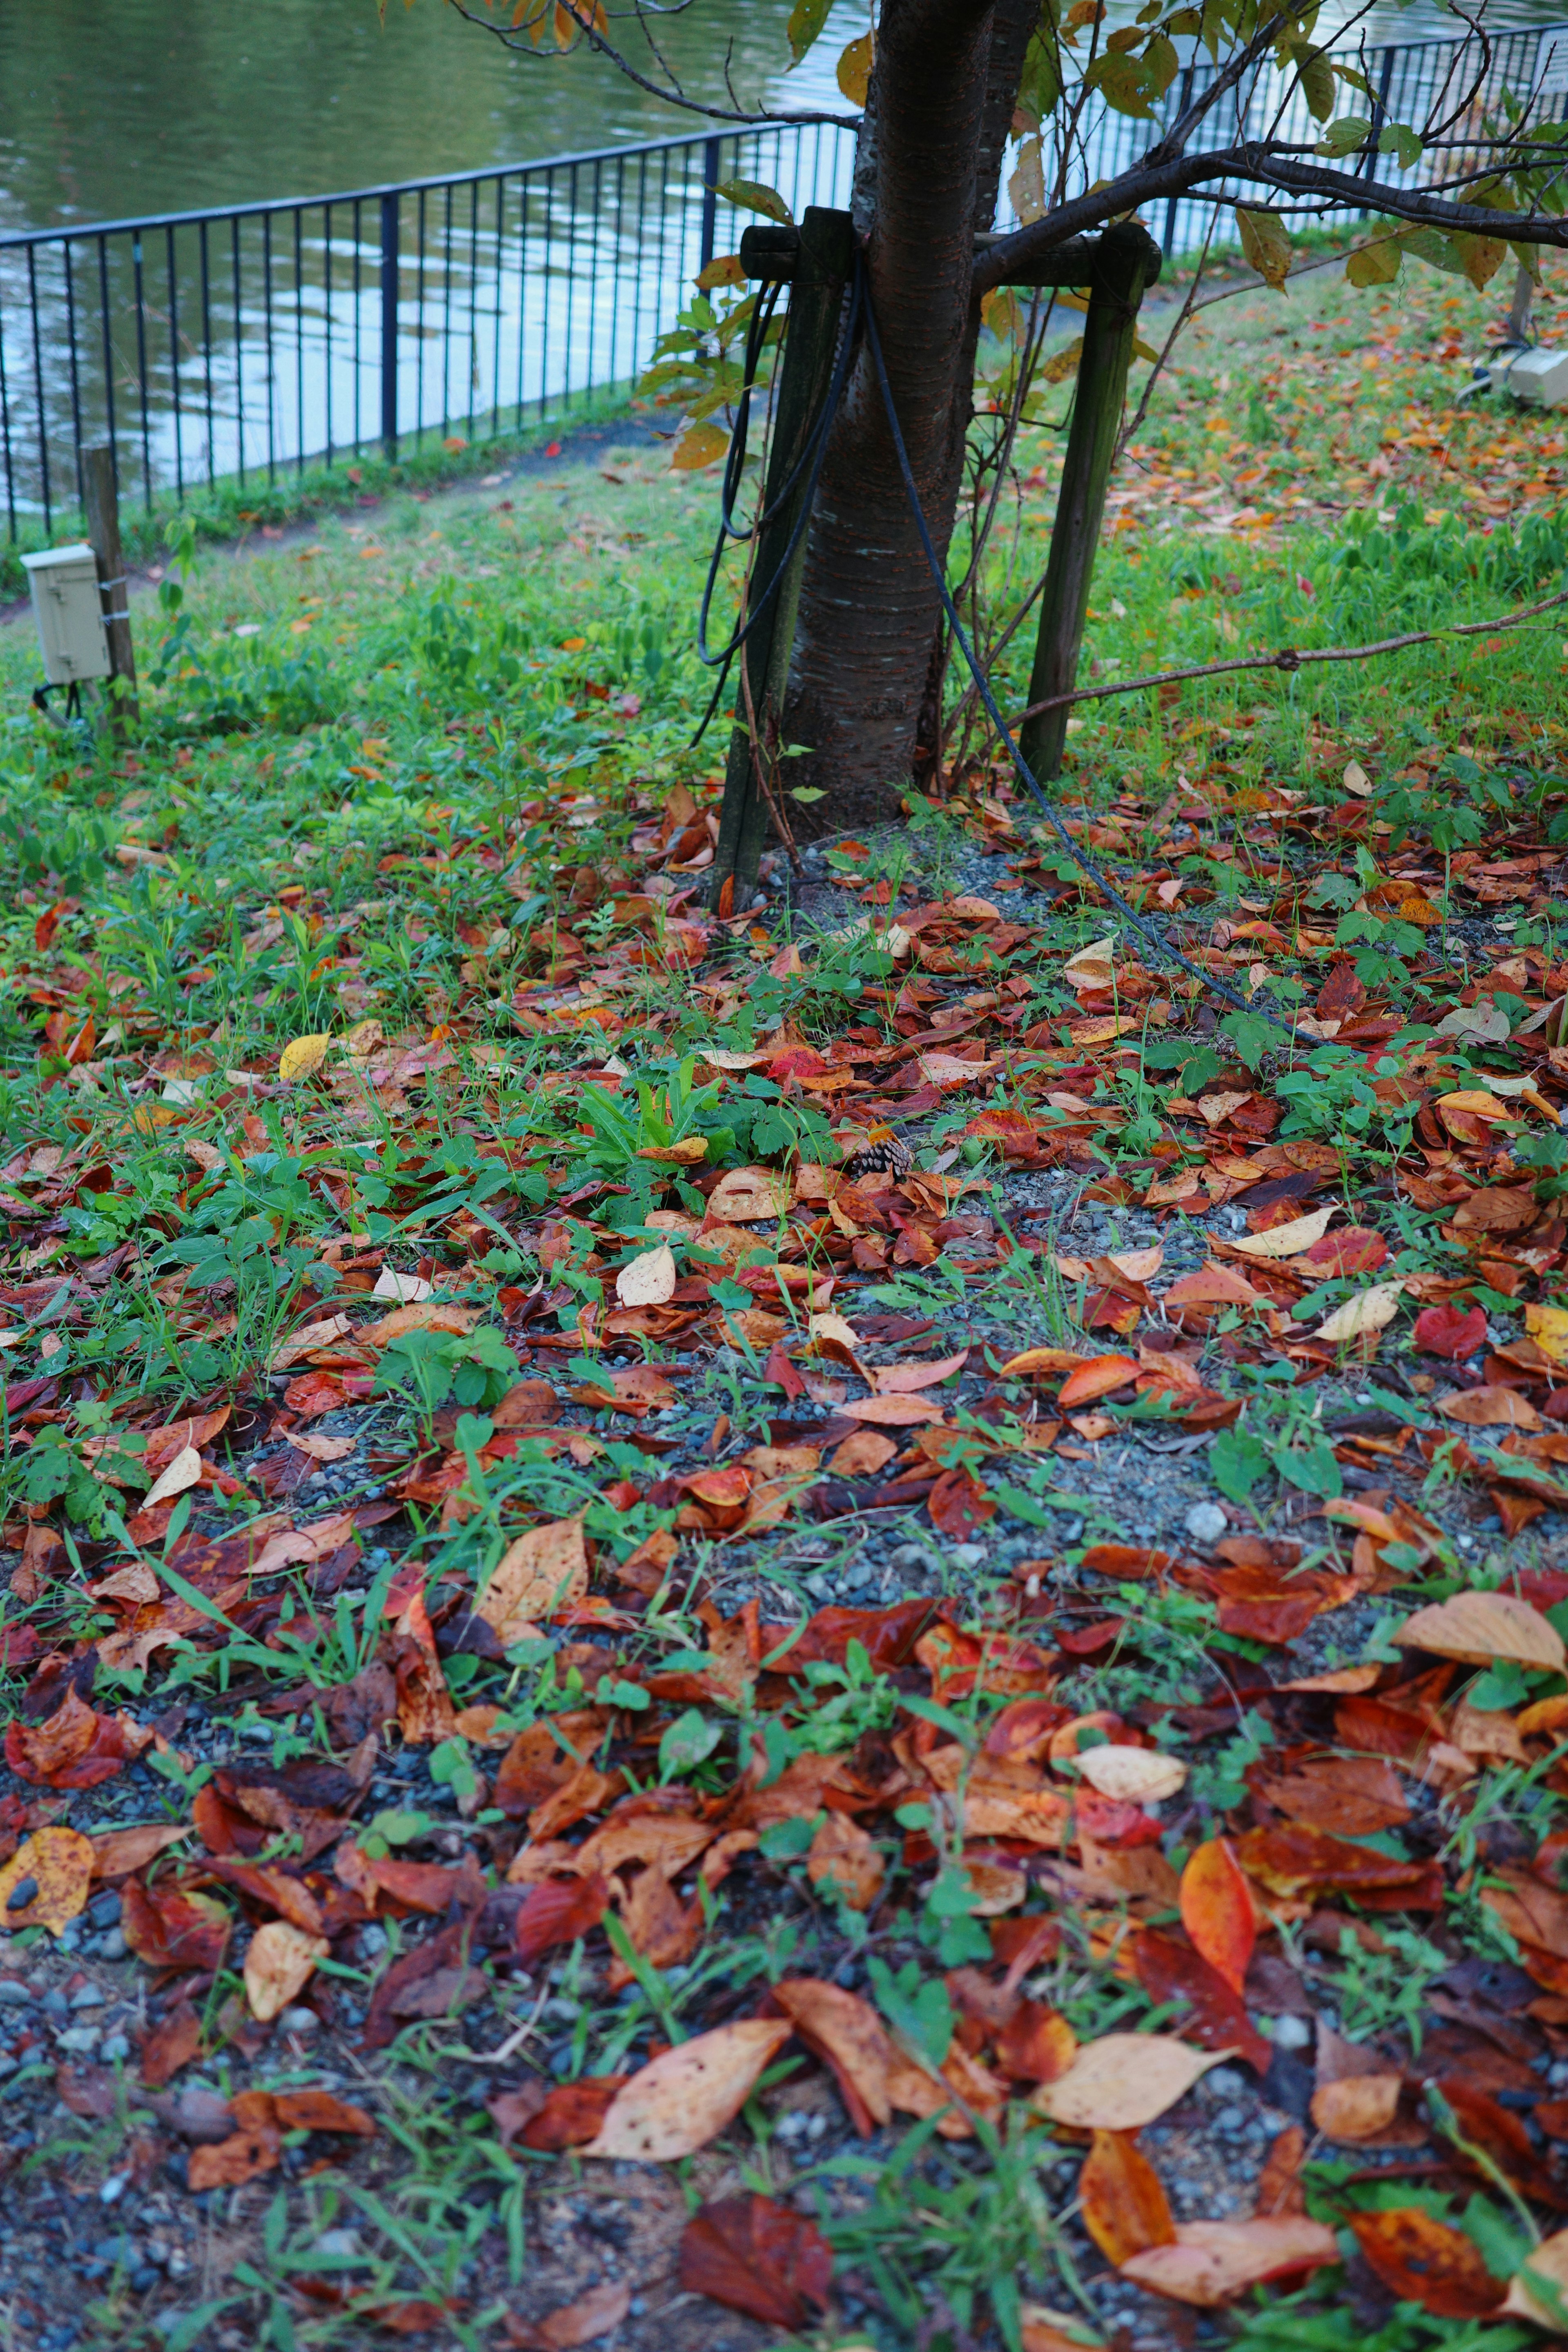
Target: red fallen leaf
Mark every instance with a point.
(1293, 1860)
(1450, 1330)
(171, 1930)
(959, 1503)
(889, 1636)
(1113, 1821)
(171, 2045)
(322, 2111)
(1021, 1730)
(1126, 1560)
(510, 2110)
(756, 2256)
(1217, 2018)
(557, 1911)
(314, 1393)
(1502, 2136)
(1095, 1379)
(1088, 1641)
(572, 2113)
(75, 1748)
(782, 1374)
(1422, 2261)
(442, 1955)
(1217, 1911)
(89, 2091)
(1356, 1249)
(1036, 2045)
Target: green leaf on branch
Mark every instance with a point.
(754, 197)
(1345, 135)
(807, 19)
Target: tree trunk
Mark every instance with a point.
(868, 607)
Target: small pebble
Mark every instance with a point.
(1291, 2032)
(1205, 1523)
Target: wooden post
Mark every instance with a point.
(102, 500)
(1126, 260)
(817, 261)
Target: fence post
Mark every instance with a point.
(1184, 99)
(101, 496)
(389, 208)
(711, 166)
(1126, 260)
(818, 264)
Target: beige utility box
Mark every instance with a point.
(69, 609)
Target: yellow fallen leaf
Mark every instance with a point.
(59, 1863)
(647, 1280)
(1548, 1327)
(1547, 2266)
(1368, 1311)
(1286, 1241)
(1093, 966)
(302, 1056)
(1213, 2260)
(749, 1196)
(277, 1967)
(183, 1471)
(1356, 2108)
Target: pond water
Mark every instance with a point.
(154, 106)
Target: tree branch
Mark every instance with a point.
(1010, 260)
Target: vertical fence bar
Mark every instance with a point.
(710, 170)
(327, 322)
(238, 350)
(174, 363)
(139, 283)
(268, 340)
(5, 434)
(1184, 92)
(74, 370)
(300, 338)
(389, 324)
(39, 385)
(207, 348)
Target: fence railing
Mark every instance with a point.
(243, 343)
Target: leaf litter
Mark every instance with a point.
(639, 1714)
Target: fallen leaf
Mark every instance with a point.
(1491, 1406)
(1210, 2261)
(1137, 1775)
(748, 1196)
(1368, 1311)
(558, 1911)
(1122, 2202)
(1286, 1239)
(1095, 1379)
(1124, 2081)
(184, 1470)
(302, 1056)
(1422, 2260)
(172, 2043)
(1217, 1910)
(681, 2101)
(253, 2148)
(1548, 2265)
(1358, 2109)
(754, 2255)
(583, 2322)
(648, 1280)
(845, 1858)
(893, 1412)
(56, 1865)
(278, 1965)
(1451, 1331)
(538, 1575)
(1482, 1628)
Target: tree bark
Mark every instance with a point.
(868, 607)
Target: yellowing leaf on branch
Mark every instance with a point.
(699, 445)
(754, 197)
(1265, 242)
(854, 69)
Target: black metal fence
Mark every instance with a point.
(237, 345)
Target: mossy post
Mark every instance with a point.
(815, 260)
(101, 496)
(1126, 261)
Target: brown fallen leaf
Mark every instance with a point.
(1490, 1407)
(171, 2045)
(1211, 2261)
(1123, 2201)
(583, 2322)
(253, 2147)
(1482, 1628)
(845, 1858)
(539, 1574)
(681, 2101)
(1358, 2109)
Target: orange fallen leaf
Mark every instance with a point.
(1217, 1911)
(1122, 2202)
(279, 1964)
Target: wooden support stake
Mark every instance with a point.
(102, 498)
(1126, 260)
(816, 264)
